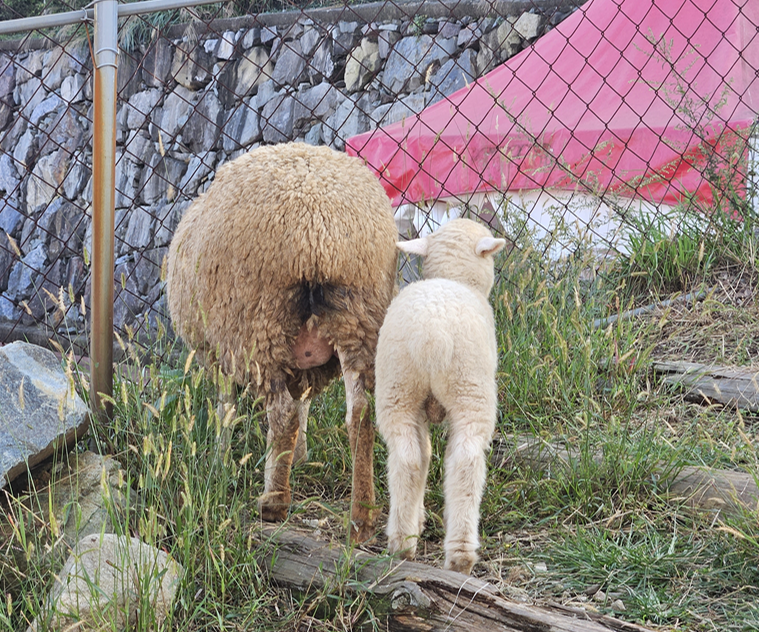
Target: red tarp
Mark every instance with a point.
(609, 99)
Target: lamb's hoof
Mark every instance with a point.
(361, 530)
(460, 561)
(404, 548)
(273, 506)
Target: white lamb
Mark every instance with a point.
(437, 358)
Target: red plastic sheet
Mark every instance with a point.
(627, 96)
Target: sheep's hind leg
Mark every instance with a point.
(282, 414)
(301, 447)
(465, 472)
(361, 439)
(408, 445)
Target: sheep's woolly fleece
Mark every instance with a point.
(278, 221)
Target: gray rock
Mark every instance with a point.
(191, 66)
(7, 258)
(47, 176)
(449, 29)
(7, 79)
(225, 46)
(65, 225)
(251, 38)
(41, 410)
(57, 65)
(362, 65)
(503, 41)
(10, 219)
(138, 145)
(199, 167)
(45, 107)
(9, 179)
(242, 127)
(453, 75)
(87, 492)
(167, 219)
(310, 39)
(140, 108)
(322, 67)
(408, 62)
(24, 153)
(528, 25)
(29, 94)
(268, 34)
(72, 89)
(487, 58)
(203, 128)
(469, 36)
(104, 581)
(147, 268)
(31, 65)
(350, 118)
(156, 65)
(176, 110)
(129, 77)
(76, 179)
(291, 65)
(138, 231)
(127, 302)
(24, 275)
(9, 311)
(319, 102)
(345, 36)
(250, 71)
(314, 135)
(160, 178)
(385, 42)
(277, 119)
(127, 177)
(64, 132)
(398, 110)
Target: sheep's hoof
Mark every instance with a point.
(460, 561)
(361, 530)
(273, 506)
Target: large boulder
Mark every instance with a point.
(39, 408)
(105, 584)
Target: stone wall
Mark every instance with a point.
(196, 97)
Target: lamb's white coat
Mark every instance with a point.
(438, 341)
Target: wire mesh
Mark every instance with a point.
(197, 88)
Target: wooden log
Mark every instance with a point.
(735, 387)
(413, 597)
(700, 487)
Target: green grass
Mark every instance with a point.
(592, 529)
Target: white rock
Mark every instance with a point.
(105, 581)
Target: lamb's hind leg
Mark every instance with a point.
(407, 437)
(361, 439)
(282, 414)
(465, 472)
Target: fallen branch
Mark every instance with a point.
(638, 311)
(735, 387)
(408, 596)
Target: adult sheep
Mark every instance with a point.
(281, 273)
(437, 359)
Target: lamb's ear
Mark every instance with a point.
(414, 246)
(489, 246)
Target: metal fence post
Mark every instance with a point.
(103, 202)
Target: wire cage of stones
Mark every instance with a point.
(192, 96)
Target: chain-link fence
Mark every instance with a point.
(531, 115)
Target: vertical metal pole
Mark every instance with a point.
(103, 201)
